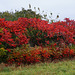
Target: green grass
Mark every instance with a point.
(66, 67)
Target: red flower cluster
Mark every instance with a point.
(12, 33)
(42, 29)
(40, 54)
(16, 33)
(39, 32)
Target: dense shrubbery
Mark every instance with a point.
(39, 54)
(55, 37)
(12, 16)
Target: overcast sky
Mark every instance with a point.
(64, 8)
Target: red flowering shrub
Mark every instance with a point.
(66, 52)
(38, 54)
(14, 34)
(72, 52)
(40, 32)
(67, 30)
(32, 55)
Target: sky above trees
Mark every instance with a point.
(63, 8)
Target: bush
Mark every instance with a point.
(3, 55)
(38, 54)
(15, 34)
(12, 34)
(12, 16)
(38, 32)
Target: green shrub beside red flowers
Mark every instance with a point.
(3, 55)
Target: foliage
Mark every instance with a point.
(36, 31)
(38, 54)
(12, 16)
(55, 37)
(3, 55)
(29, 13)
(12, 34)
(41, 32)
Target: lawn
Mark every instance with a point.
(65, 67)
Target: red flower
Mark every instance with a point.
(0, 43)
(8, 50)
(54, 44)
(47, 42)
(71, 51)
